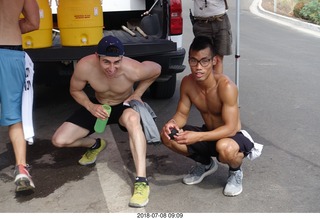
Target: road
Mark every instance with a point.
(279, 102)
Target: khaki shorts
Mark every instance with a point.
(219, 30)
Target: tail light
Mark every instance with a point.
(176, 21)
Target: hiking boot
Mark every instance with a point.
(91, 155)
(140, 196)
(234, 183)
(23, 179)
(200, 171)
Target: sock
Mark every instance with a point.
(234, 169)
(97, 144)
(142, 179)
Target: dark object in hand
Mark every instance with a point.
(173, 133)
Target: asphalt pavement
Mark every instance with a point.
(106, 187)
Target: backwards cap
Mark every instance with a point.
(105, 47)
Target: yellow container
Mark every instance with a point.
(42, 37)
(80, 22)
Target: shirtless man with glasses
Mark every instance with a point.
(216, 98)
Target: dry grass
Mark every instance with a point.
(284, 7)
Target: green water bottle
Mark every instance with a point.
(100, 125)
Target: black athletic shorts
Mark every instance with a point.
(83, 118)
(208, 148)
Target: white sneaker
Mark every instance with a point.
(234, 184)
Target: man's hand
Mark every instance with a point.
(133, 97)
(98, 111)
(167, 128)
(187, 137)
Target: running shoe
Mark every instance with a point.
(91, 155)
(23, 179)
(140, 196)
(199, 172)
(234, 183)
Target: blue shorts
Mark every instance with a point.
(12, 79)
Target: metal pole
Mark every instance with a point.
(237, 55)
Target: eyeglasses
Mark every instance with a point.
(203, 62)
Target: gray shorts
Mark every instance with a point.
(219, 31)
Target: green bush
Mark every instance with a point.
(297, 8)
(311, 11)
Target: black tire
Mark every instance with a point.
(163, 89)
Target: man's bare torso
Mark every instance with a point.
(209, 102)
(112, 90)
(10, 33)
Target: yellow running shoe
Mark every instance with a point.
(91, 155)
(140, 196)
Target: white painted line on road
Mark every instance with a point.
(114, 179)
(290, 22)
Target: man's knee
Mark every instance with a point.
(57, 141)
(131, 119)
(227, 149)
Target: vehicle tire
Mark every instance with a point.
(163, 89)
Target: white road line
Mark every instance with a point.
(114, 178)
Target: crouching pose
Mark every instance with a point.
(112, 76)
(216, 98)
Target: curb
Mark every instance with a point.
(306, 27)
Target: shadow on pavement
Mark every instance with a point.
(51, 168)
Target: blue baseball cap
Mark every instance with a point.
(110, 46)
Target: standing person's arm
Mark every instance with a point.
(31, 20)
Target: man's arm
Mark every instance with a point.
(78, 82)
(31, 20)
(182, 112)
(146, 73)
(184, 104)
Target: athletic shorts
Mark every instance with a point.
(12, 80)
(208, 148)
(83, 118)
(219, 31)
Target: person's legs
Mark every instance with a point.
(201, 152)
(12, 80)
(222, 41)
(22, 179)
(72, 135)
(232, 151)
(229, 152)
(130, 119)
(18, 142)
